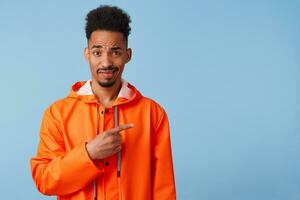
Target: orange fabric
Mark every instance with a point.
(63, 168)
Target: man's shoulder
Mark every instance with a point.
(152, 104)
(58, 104)
(150, 101)
(62, 101)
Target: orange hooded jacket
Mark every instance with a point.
(62, 166)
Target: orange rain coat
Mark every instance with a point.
(62, 166)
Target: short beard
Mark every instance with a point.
(107, 84)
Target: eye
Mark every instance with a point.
(117, 53)
(96, 53)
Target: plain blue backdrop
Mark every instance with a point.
(227, 73)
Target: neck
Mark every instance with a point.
(106, 96)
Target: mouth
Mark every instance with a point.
(107, 73)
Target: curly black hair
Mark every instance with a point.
(109, 18)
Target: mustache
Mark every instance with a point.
(110, 68)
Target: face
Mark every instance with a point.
(107, 54)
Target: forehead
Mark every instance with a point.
(107, 39)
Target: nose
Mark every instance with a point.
(106, 60)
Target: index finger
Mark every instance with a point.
(119, 128)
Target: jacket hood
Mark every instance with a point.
(82, 91)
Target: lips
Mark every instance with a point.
(107, 72)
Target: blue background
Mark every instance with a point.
(227, 73)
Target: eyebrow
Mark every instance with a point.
(116, 48)
(99, 46)
(96, 46)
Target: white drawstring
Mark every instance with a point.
(116, 122)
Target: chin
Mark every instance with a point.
(107, 84)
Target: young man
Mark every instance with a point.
(105, 140)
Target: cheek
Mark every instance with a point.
(120, 63)
(93, 67)
(121, 69)
(93, 63)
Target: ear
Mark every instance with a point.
(86, 54)
(128, 54)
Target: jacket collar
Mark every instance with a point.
(125, 91)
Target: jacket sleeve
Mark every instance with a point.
(55, 171)
(162, 164)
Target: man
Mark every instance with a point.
(105, 140)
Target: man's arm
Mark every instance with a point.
(55, 171)
(162, 164)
